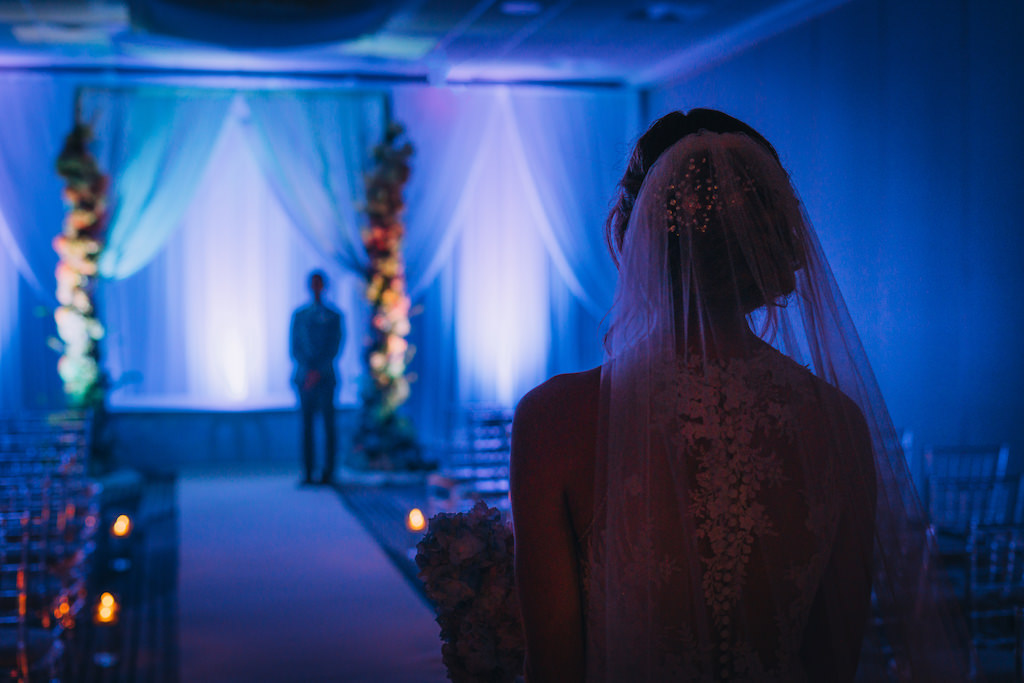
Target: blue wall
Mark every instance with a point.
(900, 124)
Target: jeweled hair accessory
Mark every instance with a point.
(694, 202)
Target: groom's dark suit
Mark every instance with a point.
(317, 335)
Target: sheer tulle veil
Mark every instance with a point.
(754, 516)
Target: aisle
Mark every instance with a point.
(281, 583)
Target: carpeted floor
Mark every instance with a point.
(281, 583)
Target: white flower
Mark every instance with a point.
(72, 327)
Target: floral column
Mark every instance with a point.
(385, 439)
(79, 246)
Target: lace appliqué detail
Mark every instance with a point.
(730, 417)
(758, 512)
(722, 410)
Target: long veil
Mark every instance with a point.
(754, 517)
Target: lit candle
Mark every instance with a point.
(106, 609)
(415, 520)
(122, 526)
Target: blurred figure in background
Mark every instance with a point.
(317, 336)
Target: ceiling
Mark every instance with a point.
(634, 42)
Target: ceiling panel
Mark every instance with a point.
(625, 41)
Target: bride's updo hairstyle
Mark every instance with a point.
(663, 133)
(729, 203)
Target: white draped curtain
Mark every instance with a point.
(10, 344)
(507, 203)
(30, 102)
(223, 202)
(205, 324)
(35, 116)
(577, 156)
(155, 143)
(314, 149)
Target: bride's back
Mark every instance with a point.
(706, 506)
(737, 578)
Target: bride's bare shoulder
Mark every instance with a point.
(830, 414)
(562, 397)
(557, 418)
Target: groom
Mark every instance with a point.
(317, 335)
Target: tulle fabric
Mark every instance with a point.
(754, 518)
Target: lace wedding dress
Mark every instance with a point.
(750, 437)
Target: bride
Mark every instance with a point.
(723, 499)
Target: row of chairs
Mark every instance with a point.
(476, 463)
(994, 589)
(976, 512)
(48, 514)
